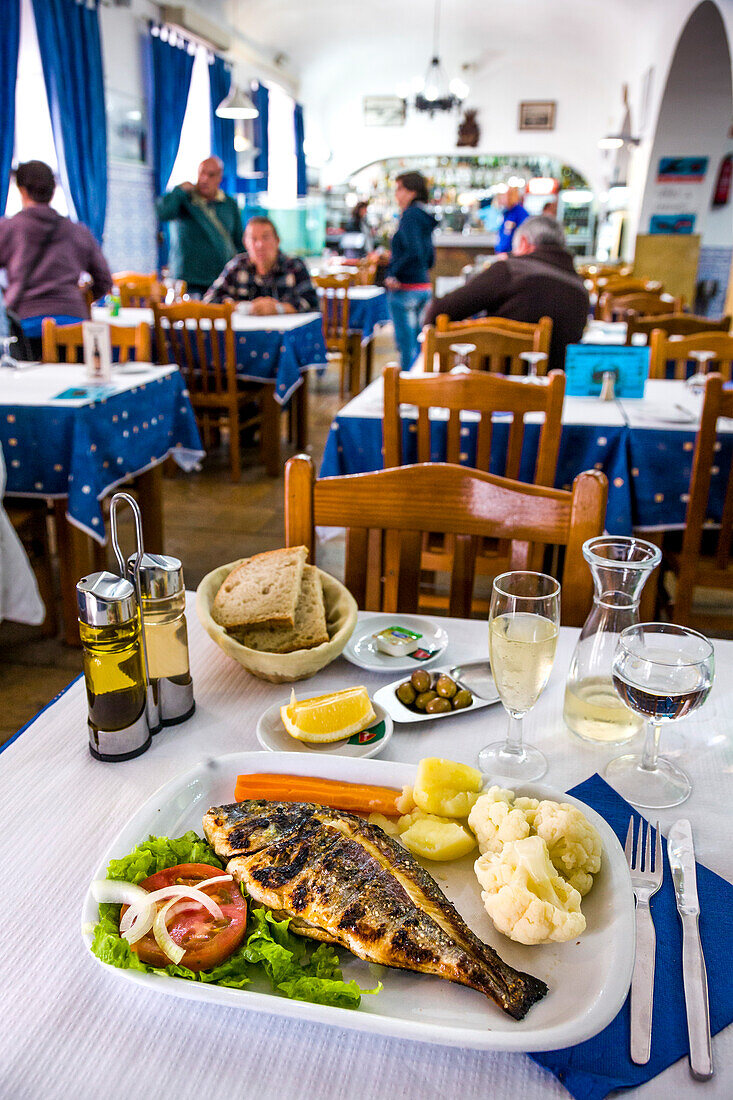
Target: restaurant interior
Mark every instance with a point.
(362, 366)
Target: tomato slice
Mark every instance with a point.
(206, 941)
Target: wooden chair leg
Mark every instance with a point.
(299, 406)
(355, 364)
(235, 443)
(150, 498)
(74, 561)
(368, 360)
(270, 431)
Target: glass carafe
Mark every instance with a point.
(620, 566)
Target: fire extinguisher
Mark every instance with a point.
(722, 187)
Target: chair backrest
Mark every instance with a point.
(334, 301)
(620, 284)
(662, 350)
(127, 342)
(499, 343)
(367, 272)
(485, 394)
(138, 290)
(718, 403)
(616, 307)
(199, 338)
(403, 503)
(674, 324)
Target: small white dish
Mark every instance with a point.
(386, 697)
(273, 736)
(361, 648)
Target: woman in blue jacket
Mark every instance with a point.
(407, 281)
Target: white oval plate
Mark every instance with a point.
(386, 698)
(588, 979)
(361, 649)
(273, 736)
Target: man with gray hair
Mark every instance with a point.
(537, 280)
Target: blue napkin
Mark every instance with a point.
(592, 1069)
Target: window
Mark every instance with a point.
(33, 134)
(282, 188)
(195, 143)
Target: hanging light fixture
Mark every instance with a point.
(436, 94)
(236, 104)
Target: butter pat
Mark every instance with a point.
(397, 641)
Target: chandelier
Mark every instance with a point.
(436, 93)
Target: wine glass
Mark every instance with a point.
(696, 381)
(6, 359)
(462, 356)
(532, 359)
(524, 620)
(662, 672)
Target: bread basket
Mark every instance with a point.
(281, 668)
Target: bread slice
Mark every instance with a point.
(262, 589)
(310, 622)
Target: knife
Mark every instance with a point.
(681, 854)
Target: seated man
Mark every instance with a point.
(537, 280)
(264, 276)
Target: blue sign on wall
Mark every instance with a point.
(585, 365)
(682, 169)
(671, 223)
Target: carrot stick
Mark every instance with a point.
(353, 797)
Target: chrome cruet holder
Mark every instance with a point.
(152, 706)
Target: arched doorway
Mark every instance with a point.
(682, 235)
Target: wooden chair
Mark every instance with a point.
(617, 307)
(485, 394)
(399, 505)
(199, 338)
(129, 343)
(620, 284)
(137, 290)
(662, 350)
(693, 565)
(674, 324)
(367, 272)
(499, 343)
(334, 300)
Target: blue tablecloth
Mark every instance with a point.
(660, 463)
(83, 451)
(366, 314)
(354, 446)
(282, 355)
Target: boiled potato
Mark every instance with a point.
(405, 803)
(387, 824)
(432, 838)
(409, 819)
(445, 787)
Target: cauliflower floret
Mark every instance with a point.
(573, 843)
(525, 897)
(496, 819)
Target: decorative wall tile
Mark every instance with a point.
(131, 226)
(714, 263)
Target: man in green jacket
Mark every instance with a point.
(206, 227)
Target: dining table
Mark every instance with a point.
(72, 443)
(643, 445)
(72, 1027)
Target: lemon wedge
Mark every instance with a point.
(326, 718)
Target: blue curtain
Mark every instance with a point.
(299, 151)
(168, 74)
(9, 39)
(71, 54)
(222, 129)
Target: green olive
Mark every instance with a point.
(420, 680)
(445, 686)
(406, 693)
(438, 705)
(462, 699)
(424, 698)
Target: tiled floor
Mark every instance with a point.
(208, 521)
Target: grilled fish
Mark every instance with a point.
(342, 880)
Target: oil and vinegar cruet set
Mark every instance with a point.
(135, 646)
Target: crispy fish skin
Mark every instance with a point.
(345, 881)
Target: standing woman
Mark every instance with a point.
(412, 257)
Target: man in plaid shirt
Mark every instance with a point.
(264, 276)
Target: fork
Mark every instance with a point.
(645, 882)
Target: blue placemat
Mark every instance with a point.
(592, 1069)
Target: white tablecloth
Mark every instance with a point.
(131, 317)
(20, 600)
(72, 1029)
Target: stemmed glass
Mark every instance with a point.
(696, 381)
(462, 356)
(532, 359)
(524, 620)
(6, 359)
(662, 672)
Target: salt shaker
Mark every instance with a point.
(163, 602)
(114, 667)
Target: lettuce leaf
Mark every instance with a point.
(269, 948)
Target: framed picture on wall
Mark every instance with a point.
(383, 110)
(537, 114)
(127, 127)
